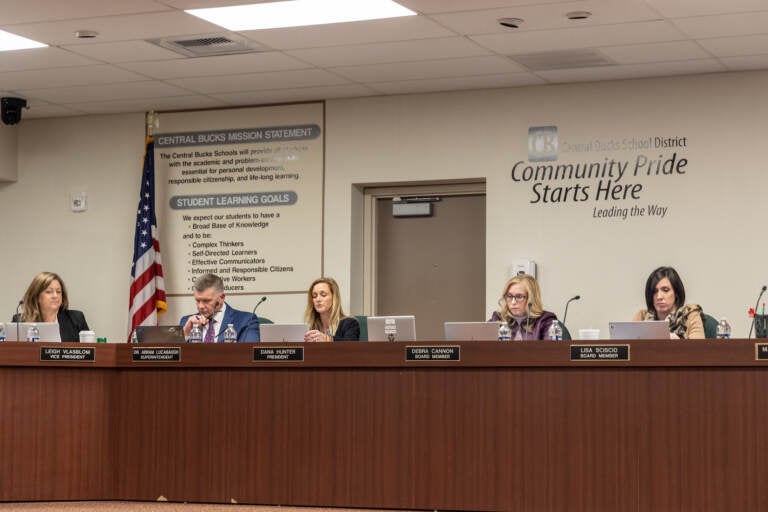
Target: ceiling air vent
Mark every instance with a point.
(203, 46)
(568, 59)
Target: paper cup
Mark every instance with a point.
(589, 334)
(87, 337)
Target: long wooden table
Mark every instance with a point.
(510, 426)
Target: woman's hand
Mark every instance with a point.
(316, 336)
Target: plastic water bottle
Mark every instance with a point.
(505, 333)
(555, 331)
(230, 335)
(134, 337)
(33, 333)
(196, 334)
(2, 332)
(723, 329)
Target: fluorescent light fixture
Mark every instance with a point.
(299, 13)
(10, 41)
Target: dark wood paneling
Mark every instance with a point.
(510, 427)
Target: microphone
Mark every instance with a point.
(18, 318)
(757, 303)
(527, 317)
(565, 314)
(253, 313)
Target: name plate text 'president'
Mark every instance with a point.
(278, 354)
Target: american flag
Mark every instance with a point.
(147, 285)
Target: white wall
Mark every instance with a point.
(433, 137)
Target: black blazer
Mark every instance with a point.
(71, 322)
(348, 330)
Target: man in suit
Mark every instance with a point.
(213, 314)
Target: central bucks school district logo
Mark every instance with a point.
(542, 143)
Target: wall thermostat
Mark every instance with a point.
(523, 267)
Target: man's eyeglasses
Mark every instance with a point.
(518, 298)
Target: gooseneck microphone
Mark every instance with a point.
(527, 319)
(757, 303)
(565, 314)
(253, 313)
(17, 316)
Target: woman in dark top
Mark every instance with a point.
(324, 315)
(46, 301)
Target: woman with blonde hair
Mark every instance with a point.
(521, 308)
(46, 301)
(326, 319)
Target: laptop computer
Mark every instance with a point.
(639, 330)
(160, 334)
(49, 331)
(271, 333)
(471, 331)
(392, 328)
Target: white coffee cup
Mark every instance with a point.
(87, 337)
(589, 334)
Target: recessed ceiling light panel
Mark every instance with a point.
(10, 41)
(298, 13)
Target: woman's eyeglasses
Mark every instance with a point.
(518, 298)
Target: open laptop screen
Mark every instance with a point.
(639, 330)
(270, 333)
(471, 331)
(49, 331)
(160, 334)
(392, 328)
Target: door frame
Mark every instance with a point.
(372, 193)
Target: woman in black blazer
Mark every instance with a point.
(324, 315)
(46, 301)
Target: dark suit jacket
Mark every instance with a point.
(348, 330)
(245, 323)
(71, 322)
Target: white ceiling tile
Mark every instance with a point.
(687, 8)
(458, 83)
(744, 63)
(107, 92)
(632, 71)
(393, 29)
(41, 58)
(547, 16)
(435, 6)
(216, 66)
(429, 69)
(654, 52)
(259, 81)
(398, 51)
(66, 77)
(117, 28)
(587, 37)
(733, 46)
(44, 10)
(297, 94)
(725, 25)
(123, 51)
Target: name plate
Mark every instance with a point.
(433, 353)
(278, 354)
(761, 351)
(82, 355)
(599, 352)
(157, 354)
